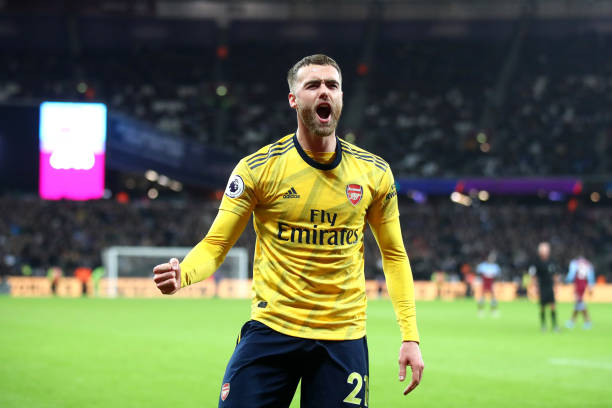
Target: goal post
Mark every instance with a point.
(138, 262)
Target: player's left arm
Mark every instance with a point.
(383, 217)
(401, 291)
(479, 269)
(591, 279)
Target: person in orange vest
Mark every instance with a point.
(83, 274)
(468, 277)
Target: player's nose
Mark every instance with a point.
(324, 94)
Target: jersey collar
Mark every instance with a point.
(310, 161)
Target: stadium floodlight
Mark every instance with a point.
(138, 262)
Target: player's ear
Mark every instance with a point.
(292, 101)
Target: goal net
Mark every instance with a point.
(138, 262)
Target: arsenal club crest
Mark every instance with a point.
(354, 192)
(225, 391)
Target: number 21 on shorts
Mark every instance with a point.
(359, 382)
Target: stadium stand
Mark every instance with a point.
(414, 100)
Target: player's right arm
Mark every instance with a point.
(571, 274)
(204, 259)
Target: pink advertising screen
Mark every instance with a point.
(72, 150)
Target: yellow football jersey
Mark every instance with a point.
(310, 217)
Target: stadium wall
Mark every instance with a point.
(239, 289)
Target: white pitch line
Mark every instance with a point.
(581, 363)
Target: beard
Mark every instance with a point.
(309, 117)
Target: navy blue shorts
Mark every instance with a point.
(266, 367)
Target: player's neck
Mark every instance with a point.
(314, 143)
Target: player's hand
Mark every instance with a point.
(167, 277)
(410, 355)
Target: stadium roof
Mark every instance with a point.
(319, 9)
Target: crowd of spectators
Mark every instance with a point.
(443, 236)
(424, 106)
(424, 102)
(439, 235)
(552, 119)
(556, 118)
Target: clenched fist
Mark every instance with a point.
(167, 277)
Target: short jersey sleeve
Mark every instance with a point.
(240, 195)
(384, 203)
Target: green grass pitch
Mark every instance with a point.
(172, 353)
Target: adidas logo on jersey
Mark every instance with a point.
(291, 193)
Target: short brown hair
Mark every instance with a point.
(316, 59)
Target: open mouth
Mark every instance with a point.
(324, 112)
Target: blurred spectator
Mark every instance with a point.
(96, 276)
(54, 275)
